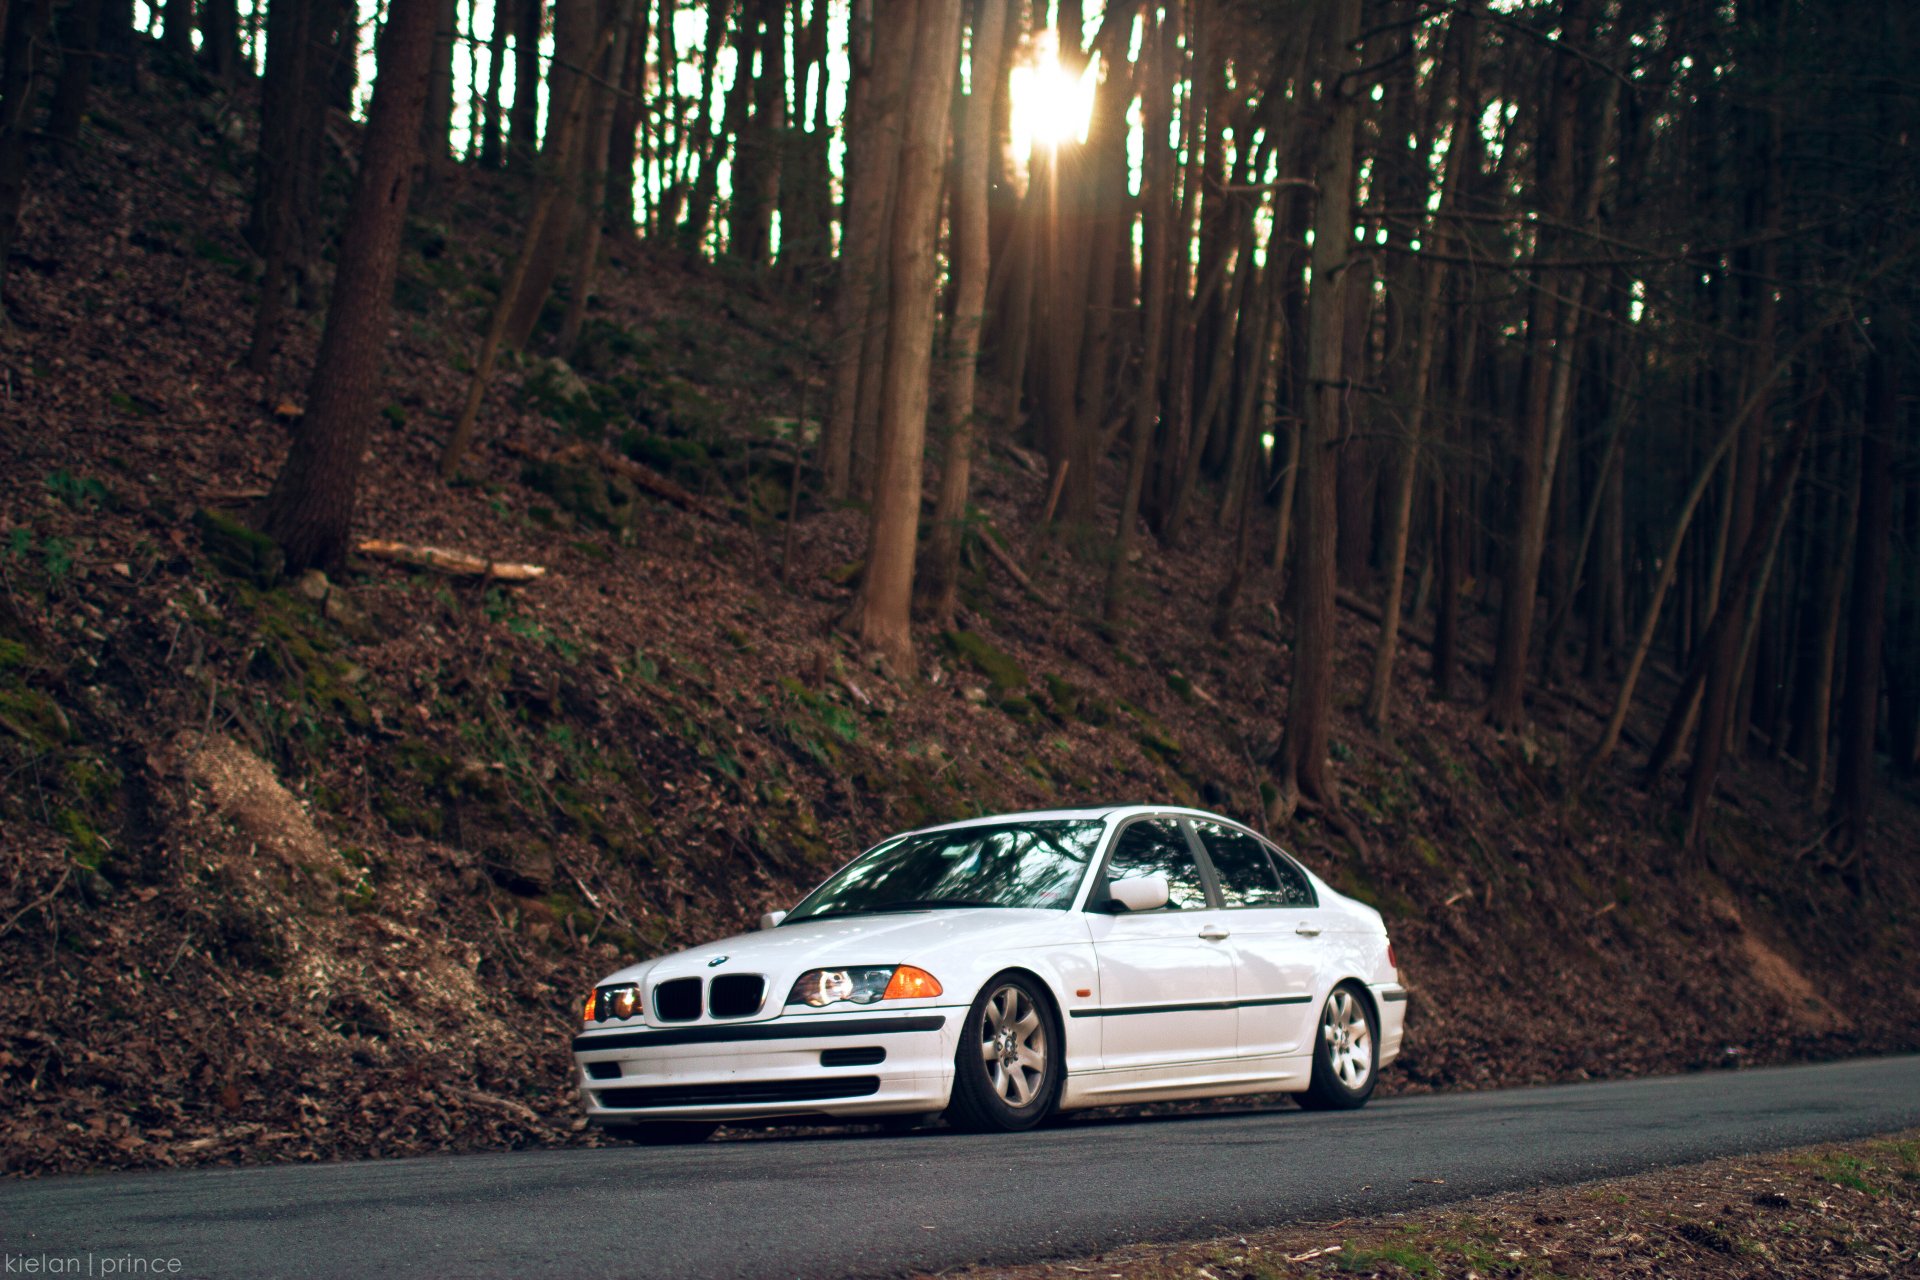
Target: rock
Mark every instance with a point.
(563, 380)
(313, 585)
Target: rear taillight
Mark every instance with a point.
(1391, 962)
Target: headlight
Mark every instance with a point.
(607, 1004)
(865, 984)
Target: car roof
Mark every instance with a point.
(1107, 812)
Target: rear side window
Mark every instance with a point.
(1246, 875)
(1158, 845)
(1295, 891)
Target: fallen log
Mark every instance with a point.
(458, 563)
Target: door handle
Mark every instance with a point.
(1306, 930)
(1213, 932)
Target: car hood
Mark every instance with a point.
(924, 938)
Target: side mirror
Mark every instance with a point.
(1139, 893)
(772, 919)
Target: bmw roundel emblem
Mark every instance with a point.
(716, 962)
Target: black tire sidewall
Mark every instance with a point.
(1327, 1091)
(975, 1104)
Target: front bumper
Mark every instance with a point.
(840, 1065)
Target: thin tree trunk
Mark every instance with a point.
(942, 573)
(1155, 182)
(80, 49)
(881, 613)
(1817, 718)
(1302, 760)
(543, 209)
(1407, 466)
(1866, 623)
(523, 120)
(872, 159)
(1726, 637)
(492, 152)
(26, 29)
(309, 510)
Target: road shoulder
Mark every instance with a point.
(1834, 1209)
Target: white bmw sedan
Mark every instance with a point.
(1002, 969)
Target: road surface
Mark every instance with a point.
(842, 1205)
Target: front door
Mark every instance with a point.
(1166, 976)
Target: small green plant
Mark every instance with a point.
(80, 493)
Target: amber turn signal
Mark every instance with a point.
(586, 1014)
(909, 983)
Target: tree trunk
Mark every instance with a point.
(1860, 704)
(1816, 715)
(881, 615)
(523, 119)
(286, 205)
(942, 573)
(1407, 465)
(1302, 760)
(309, 510)
(1721, 653)
(1155, 192)
(563, 162)
(1549, 340)
(623, 140)
(80, 49)
(25, 31)
(492, 149)
(436, 122)
(872, 159)
(590, 216)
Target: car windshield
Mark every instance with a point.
(1010, 864)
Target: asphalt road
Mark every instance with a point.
(858, 1205)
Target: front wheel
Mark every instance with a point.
(1346, 1054)
(1011, 1061)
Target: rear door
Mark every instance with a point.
(1166, 976)
(1275, 921)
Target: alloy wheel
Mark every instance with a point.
(1013, 1045)
(1349, 1038)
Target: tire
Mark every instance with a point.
(1011, 1062)
(662, 1133)
(1346, 1053)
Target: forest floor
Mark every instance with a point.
(320, 869)
(1836, 1210)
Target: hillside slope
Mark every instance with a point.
(310, 869)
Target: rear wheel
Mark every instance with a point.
(1346, 1053)
(1011, 1060)
(662, 1133)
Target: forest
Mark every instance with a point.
(1534, 374)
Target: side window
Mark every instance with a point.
(1158, 845)
(1240, 863)
(1295, 890)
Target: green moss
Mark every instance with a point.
(238, 550)
(1424, 849)
(1064, 698)
(996, 666)
(1019, 708)
(408, 819)
(1411, 1261)
(587, 491)
(89, 849)
(1181, 686)
(34, 716)
(15, 656)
